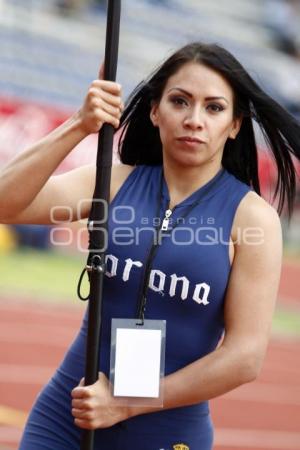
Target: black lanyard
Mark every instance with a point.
(157, 241)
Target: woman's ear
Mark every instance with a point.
(153, 114)
(237, 123)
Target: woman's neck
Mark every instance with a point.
(183, 181)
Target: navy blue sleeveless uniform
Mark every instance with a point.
(187, 285)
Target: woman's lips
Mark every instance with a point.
(190, 140)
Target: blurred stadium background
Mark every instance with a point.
(50, 51)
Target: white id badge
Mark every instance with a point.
(137, 361)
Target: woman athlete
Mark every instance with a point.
(188, 147)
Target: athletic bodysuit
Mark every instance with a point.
(187, 284)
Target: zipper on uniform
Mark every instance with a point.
(166, 220)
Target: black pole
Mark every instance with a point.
(98, 220)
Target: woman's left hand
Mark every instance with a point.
(94, 406)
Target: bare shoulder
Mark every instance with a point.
(257, 234)
(254, 211)
(119, 174)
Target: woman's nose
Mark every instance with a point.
(194, 118)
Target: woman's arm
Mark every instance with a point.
(249, 306)
(27, 193)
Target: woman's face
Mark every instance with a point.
(195, 117)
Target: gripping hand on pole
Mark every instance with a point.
(102, 104)
(94, 406)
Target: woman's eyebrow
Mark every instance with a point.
(188, 94)
(217, 98)
(176, 88)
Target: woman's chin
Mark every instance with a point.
(189, 161)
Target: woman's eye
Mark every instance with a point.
(179, 101)
(215, 107)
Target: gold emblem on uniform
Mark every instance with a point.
(181, 447)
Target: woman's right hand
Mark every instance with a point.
(102, 104)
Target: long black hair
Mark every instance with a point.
(140, 142)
